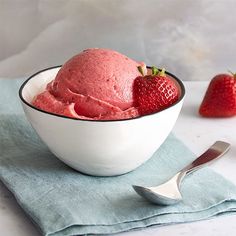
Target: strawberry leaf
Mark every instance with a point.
(155, 70)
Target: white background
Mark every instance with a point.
(193, 39)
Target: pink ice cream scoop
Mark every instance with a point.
(95, 84)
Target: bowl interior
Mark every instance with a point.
(37, 83)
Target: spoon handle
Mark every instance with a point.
(218, 149)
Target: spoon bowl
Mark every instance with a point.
(164, 194)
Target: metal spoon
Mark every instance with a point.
(169, 193)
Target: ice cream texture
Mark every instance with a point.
(96, 84)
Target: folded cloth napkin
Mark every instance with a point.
(62, 201)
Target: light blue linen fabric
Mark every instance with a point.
(61, 201)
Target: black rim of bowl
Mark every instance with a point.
(180, 83)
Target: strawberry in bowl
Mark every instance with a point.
(154, 92)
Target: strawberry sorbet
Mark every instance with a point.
(95, 84)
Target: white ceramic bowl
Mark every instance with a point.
(102, 148)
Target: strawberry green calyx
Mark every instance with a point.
(155, 70)
(142, 69)
(162, 72)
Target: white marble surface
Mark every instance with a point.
(193, 39)
(198, 134)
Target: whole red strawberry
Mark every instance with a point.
(154, 92)
(220, 97)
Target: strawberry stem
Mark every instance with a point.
(162, 72)
(155, 70)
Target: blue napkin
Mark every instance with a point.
(62, 201)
